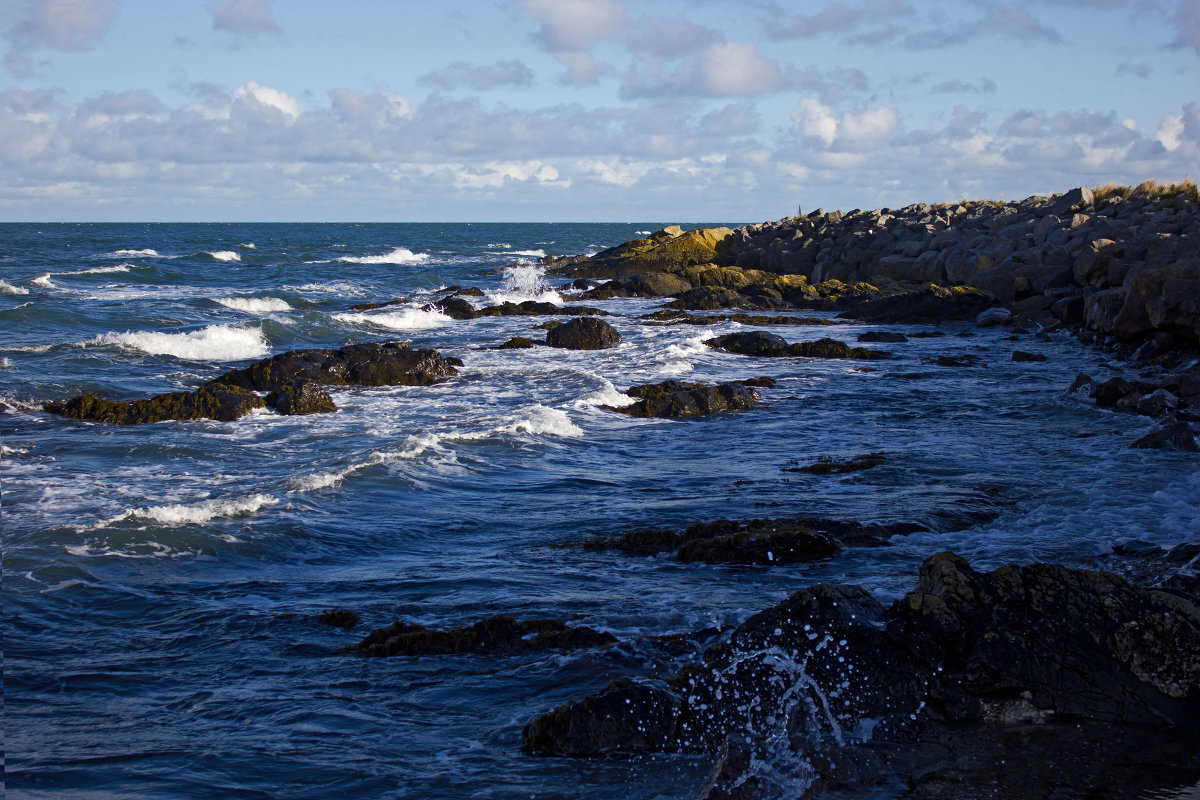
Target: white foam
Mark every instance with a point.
(195, 513)
(255, 305)
(44, 282)
(128, 253)
(543, 420)
(335, 287)
(8, 288)
(5, 450)
(5, 363)
(398, 255)
(248, 246)
(531, 253)
(225, 255)
(525, 282)
(96, 270)
(499, 246)
(407, 319)
(214, 343)
(609, 395)
(643, 233)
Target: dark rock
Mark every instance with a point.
(675, 399)
(372, 364)
(710, 298)
(301, 397)
(217, 401)
(952, 361)
(517, 343)
(1158, 403)
(882, 336)
(827, 465)
(338, 618)
(454, 307)
(1021, 355)
(677, 317)
(495, 635)
(585, 333)
(1172, 434)
(762, 343)
(929, 304)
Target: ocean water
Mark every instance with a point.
(161, 581)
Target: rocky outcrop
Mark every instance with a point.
(762, 343)
(673, 399)
(963, 652)
(670, 250)
(584, 333)
(495, 635)
(291, 380)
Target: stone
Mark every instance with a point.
(673, 399)
(1021, 355)
(1078, 199)
(996, 315)
(301, 397)
(762, 343)
(339, 618)
(1158, 403)
(1172, 434)
(217, 401)
(584, 333)
(928, 305)
(499, 634)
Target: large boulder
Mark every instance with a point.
(673, 399)
(929, 304)
(370, 364)
(495, 635)
(217, 401)
(584, 333)
(762, 343)
(301, 397)
(669, 250)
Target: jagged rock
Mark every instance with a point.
(1157, 403)
(1078, 199)
(993, 316)
(1172, 434)
(495, 635)
(218, 401)
(669, 250)
(673, 399)
(967, 360)
(584, 333)
(762, 343)
(301, 397)
(710, 298)
(338, 618)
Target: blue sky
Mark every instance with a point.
(578, 110)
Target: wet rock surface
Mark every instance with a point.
(584, 333)
(673, 399)
(292, 380)
(1020, 660)
(499, 634)
(764, 344)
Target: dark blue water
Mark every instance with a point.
(160, 581)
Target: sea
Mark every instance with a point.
(161, 582)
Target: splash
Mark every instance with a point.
(132, 253)
(398, 255)
(255, 305)
(214, 343)
(8, 288)
(44, 282)
(193, 513)
(225, 255)
(408, 319)
(525, 282)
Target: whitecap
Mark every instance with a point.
(530, 253)
(44, 282)
(499, 246)
(128, 253)
(643, 233)
(255, 305)
(214, 343)
(543, 420)
(225, 255)
(195, 513)
(5, 450)
(408, 319)
(609, 395)
(8, 288)
(5, 363)
(398, 255)
(97, 270)
(525, 282)
(248, 246)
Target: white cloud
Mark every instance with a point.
(64, 25)
(568, 29)
(852, 132)
(244, 19)
(266, 96)
(730, 69)
(479, 76)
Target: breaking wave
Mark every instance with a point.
(399, 255)
(408, 319)
(255, 305)
(8, 288)
(214, 343)
(224, 255)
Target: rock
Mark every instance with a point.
(338, 618)
(1021, 355)
(762, 343)
(670, 250)
(927, 305)
(1172, 434)
(826, 465)
(454, 307)
(1078, 199)
(217, 401)
(952, 361)
(517, 343)
(371, 364)
(709, 298)
(882, 336)
(673, 399)
(1157, 403)
(495, 635)
(301, 397)
(584, 333)
(996, 315)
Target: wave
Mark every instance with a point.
(214, 343)
(499, 246)
(224, 255)
(127, 253)
(643, 233)
(608, 395)
(248, 246)
(97, 270)
(8, 288)
(397, 255)
(44, 282)
(531, 253)
(544, 420)
(408, 319)
(255, 305)
(194, 513)
(525, 282)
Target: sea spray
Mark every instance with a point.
(213, 343)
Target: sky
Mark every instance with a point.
(582, 110)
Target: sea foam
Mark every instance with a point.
(255, 305)
(8, 288)
(225, 255)
(399, 255)
(128, 253)
(195, 513)
(214, 343)
(525, 282)
(44, 282)
(408, 319)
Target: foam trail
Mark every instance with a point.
(409, 319)
(225, 255)
(398, 255)
(8, 288)
(255, 305)
(608, 395)
(544, 420)
(248, 246)
(44, 282)
(214, 343)
(96, 270)
(194, 513)
(531, 253)
(128, 253)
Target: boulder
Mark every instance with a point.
(927, 305)
(1172, 434)
(217, 401)
(709, 298)
(495, 635)
(301, 397)
(669, 250)
(996, 315)
(517, 343)
(1021, 355)
(882, 336)
(584, 333)
(762, 343)
(673, 399)
(1078, 199)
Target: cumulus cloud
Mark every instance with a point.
(955, 86)
(568, 29)
(722, 69)
(850, 132)
(64, 25)
(244, 19)
(1187, 24)
(481, 77)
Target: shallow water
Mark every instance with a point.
(160, 581)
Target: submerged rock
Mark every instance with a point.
(495, 635)
(584, 333)
(517, 343)
(674, 398)
(826, 465)
(762, 343)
